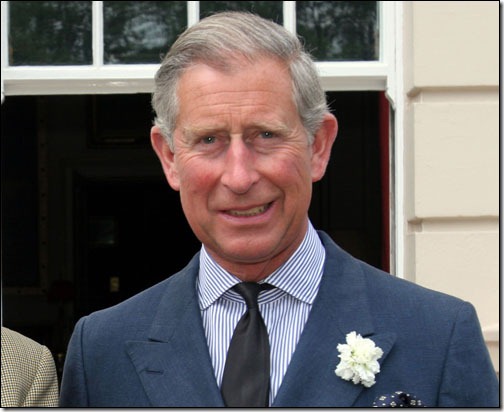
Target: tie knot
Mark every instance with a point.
(250, 292)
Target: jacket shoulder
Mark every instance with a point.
(386, 291)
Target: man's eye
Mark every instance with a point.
(267, 135)
(208, 140)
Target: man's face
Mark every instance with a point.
(243, 165)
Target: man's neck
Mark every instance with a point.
(257, 270)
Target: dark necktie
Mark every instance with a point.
(246, 378)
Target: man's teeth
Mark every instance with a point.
(250, 212)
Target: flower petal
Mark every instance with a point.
(358, 360)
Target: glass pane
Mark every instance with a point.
(339, 30)
(141, 31)
(50, 33)
(269, 9)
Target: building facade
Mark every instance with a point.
(430, 68)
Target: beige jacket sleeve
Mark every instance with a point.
(29, 376)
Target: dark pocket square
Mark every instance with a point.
(398, 400)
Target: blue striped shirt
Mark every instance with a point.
(285, 308)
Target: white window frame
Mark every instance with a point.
(383, 74)
(138, 78)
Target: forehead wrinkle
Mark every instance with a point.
(200, 91)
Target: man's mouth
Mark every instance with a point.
(254, 211)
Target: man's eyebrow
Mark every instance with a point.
(196, 131)
(278, 127)
(192, 131)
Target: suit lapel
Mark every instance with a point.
(341, 306)
(174, 366)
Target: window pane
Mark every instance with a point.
(141, 31)
(339, 30)
(50, 33)
(269, 9)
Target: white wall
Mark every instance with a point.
(451, 138)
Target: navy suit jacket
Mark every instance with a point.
(151, 350)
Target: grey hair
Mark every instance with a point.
(217, 41)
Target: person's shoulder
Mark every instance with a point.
(23, 357)
(12, 340)
(405, 290)
(385, 287)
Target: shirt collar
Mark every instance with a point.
(299, 276)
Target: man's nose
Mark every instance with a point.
(239, 173)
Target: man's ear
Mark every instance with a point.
(322, 145)
(166, 157)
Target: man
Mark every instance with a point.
(242, 132)
(29, 376)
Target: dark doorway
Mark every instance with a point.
(113, 226)
(130, 234)
(348, 202)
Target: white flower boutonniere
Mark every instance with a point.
(359, 360)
